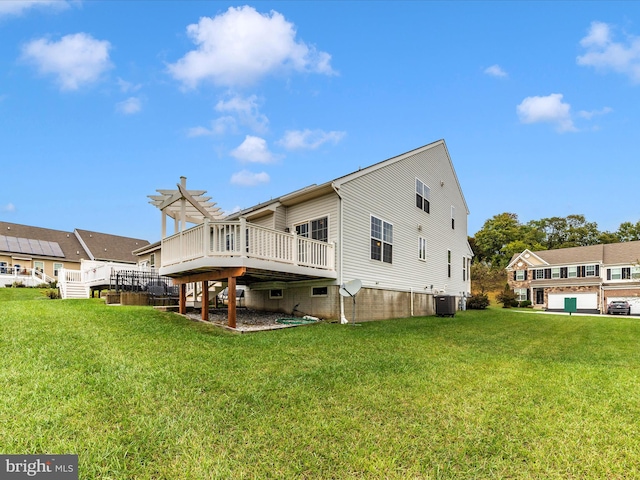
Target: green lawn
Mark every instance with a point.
(140, 394)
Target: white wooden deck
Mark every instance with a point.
(219, 244)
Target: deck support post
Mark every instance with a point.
(182, 308)
(205, 301)
(231, 304)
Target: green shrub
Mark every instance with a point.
(17, 284)
(479, 301)
(525, 304)
(52, 293)
(507, 298)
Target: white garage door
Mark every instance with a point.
(633, 301)
(585, 301)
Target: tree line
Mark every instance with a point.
(503, 235)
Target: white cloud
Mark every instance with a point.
(219, 126)
(605, 55)
(129, 106)
(246, 110)
(549, 109)
(590, 114)
(9, 207)
(495, 71)
(240, 46)
(126, 87)
(75, 60)
(18, 7)
(309, 139)
(246, 178)
(254, 150)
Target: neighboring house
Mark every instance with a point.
(398, 226)
(33, 255)
(593, 275)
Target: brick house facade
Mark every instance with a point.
(594, 275)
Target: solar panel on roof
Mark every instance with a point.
(46, 248)
(30, 246)
(35, 247)
(24, 245)
(57, 251)
(14, 246)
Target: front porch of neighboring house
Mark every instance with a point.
(235, 252)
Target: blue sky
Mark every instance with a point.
(103, 102)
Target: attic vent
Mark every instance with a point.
(526, 255)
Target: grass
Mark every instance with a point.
(141, 394)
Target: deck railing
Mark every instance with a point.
(243, 239)
(28, 276)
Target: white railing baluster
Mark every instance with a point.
(226, 239)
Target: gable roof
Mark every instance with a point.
(314, 190)
(605, 254)
(107, 247)
(398, 158)
(72, 249)
(528, 257)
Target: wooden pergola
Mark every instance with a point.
(191, 206)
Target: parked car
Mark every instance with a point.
(619, 306)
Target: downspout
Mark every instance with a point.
(343, 318)
(412, 301)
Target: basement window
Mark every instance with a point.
(319, 291)
(276, 293)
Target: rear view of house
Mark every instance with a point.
(399, 226)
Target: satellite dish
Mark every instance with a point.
(351, 288)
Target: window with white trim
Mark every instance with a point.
(422, 248)
(453, 217)
(555, 272)
(317, 229)
(464, 269)
(590, 271)
(635, 272)
(449, 263)
(520, 275)
(38, 265)
(616, 273)
(521, 294)
(572, 272)
(381, 240)
(152, 260)
(56, 269)
(539, 273)
(423, 194)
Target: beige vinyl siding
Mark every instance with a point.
(325, 206)
(266, 221)
(280, 218)
(389, 194)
